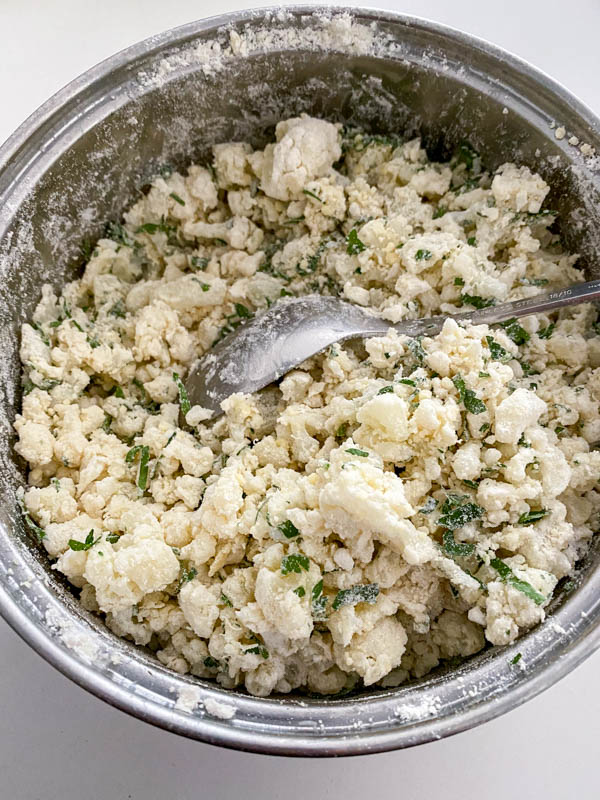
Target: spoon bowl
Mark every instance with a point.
(276, 341)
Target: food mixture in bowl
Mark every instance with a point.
(397, 502)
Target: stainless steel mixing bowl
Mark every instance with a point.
(81, 159)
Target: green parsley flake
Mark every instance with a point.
(313, 195)
(516, 659)
(454, 548)
(226, 600)
(355, 245)
(407, 382)
(361, 593)
(356, 452)
(40, 533)
(386, 390)
(118, 310)
(456, 513)
(211, 663)
(289, 530)
(423, 255)
(508, 576)
(295, 562)
(300, 591)
(177, 199)
(430, 505)
(184, 402)
(497, 352)
(470, 400)
(187, 574)
(89, 542)
(518, 334)
(318, 602)
(546, 333)
(476, 301)
(144, 452)
(529, 517)
(258, 650)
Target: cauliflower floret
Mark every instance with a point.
(361, 503)
(306, 149)
(518, 411)
(519, 189)
(200, 607)
(140, 563)
(375, 653)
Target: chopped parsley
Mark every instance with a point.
(118, 310)
(295, 562)
(476, 301)
(113, 538)
(423, 255)
(341, 431)
(456, 512)
(313, 195)
(546, 333)
(459, 282)
(361, 593)
(454, 548)
(356, 452)
(497, 352)
(508, 576)
(518, 334)
(144, 452)
(300, 591)
(318, 602)
(198, 263)
(41, 333)
(39, 533)
(354, 244)
(470, 400)
(289, 530)
(430, 505)
(258, 650)
(529, 517)
(177, 199)
(211, 663)
(187, 574)
(107, 423)
(226, 600)
(407, 382)
(242, 311)
(516, 659)
(89, 542)
(184, 403)
(386, 389)
(118, 233)
(439, 212)
(472, 241)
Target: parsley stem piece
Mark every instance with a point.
(184, 403)
(508, 576)
(361, 593)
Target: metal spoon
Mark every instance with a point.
(279, 339)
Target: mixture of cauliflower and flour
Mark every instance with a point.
(396, 502)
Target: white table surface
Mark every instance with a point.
(57, 741)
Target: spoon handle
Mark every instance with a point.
(570, 296)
